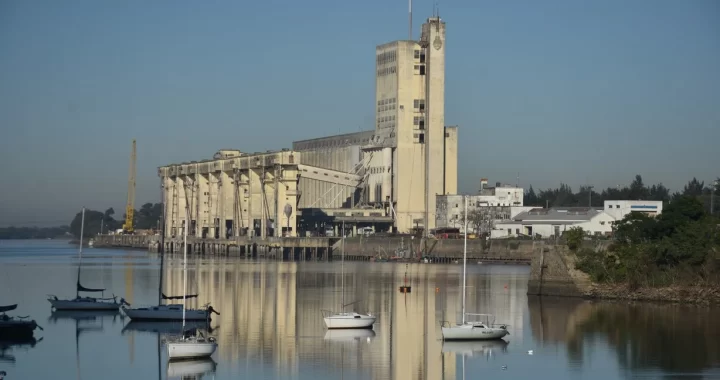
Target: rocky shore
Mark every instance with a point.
(696, 295)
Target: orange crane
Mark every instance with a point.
(130, 208)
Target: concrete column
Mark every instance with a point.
(387, 174)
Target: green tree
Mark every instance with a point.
(574, 237)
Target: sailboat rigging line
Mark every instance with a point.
(464, 260)
(82, 230)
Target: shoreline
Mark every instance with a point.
(553, 273)
(677, 294)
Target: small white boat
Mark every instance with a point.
(172, 312)
(484, 329)
(348, 320)
(475, 330)
(191, 345)
(192, 367)
(343, 319)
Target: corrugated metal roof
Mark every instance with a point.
(566, 214)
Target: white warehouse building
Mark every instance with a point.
(618, 209)
(554, 221)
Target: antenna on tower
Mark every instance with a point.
(410, 19)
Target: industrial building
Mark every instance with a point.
(554, 222)
(619, 209)
(493, 204)
(385, 179)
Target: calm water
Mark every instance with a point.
(270, 325)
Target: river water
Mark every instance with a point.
(270, 324)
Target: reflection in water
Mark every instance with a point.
(167, 327)
(350, 335)
(270, 312)
(671, 338)
(191, 369)
(478, 348)
(7, 346)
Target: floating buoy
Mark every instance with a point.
(405, 288)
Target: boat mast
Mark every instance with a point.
(185, 233)
(464, 260)
(82, 230)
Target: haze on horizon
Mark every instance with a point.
(555, 91)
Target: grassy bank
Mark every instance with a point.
(672, 257)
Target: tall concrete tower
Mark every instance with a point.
(410, 125)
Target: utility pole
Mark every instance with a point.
(712, 197)
(590, 187)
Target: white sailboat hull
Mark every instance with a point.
(470, 332)
(166, 313)
(83, 304)
(349, 321)
(190, 349)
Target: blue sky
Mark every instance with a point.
(556, 90)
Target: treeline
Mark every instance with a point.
(679, 246)
(564, 196)
(33, 232)
(145, 218)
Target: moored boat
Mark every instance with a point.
(472, 330)
(16, 328)
(85, 303)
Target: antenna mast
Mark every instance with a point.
(128, 227)
(410, 20)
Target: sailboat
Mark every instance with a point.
(192, 344)
(482, 329)
(15, 328)
(85, 303)
(343, 319)
(170, 312)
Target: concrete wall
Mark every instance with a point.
(451, 160)
(553, 272)
(445, 248)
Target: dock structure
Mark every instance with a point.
(327, 249)
(280, 248)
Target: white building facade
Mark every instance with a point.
(495, 204)
(619, 209)
(554, 222)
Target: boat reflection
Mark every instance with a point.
(476, 348)
(7, 345)
(349, 335)
(170, 327)
(187, 368)
(84, 315)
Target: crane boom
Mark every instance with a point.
(130, 208)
